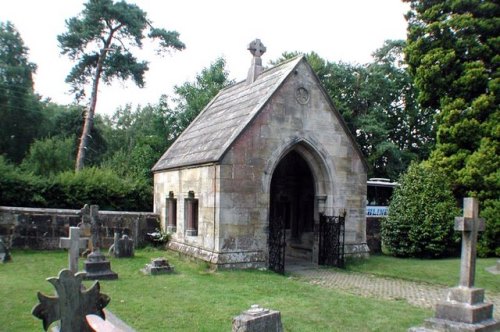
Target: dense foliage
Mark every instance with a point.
(453, 53)
(73, 190)
(100, 40)
(421, 215)
(19, 107)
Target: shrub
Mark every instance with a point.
(100, 186)
(50, 156)
(489, 241)
(18, 188)
(72, 190)
(421, 215)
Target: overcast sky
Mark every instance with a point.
(348, 30)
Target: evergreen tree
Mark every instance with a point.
(19, 106)
(453, 53)
(100, 39)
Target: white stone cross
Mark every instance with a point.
(470, 224)
(73, 243)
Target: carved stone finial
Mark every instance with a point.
(257, 49)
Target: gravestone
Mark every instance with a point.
(158, 266)
(97, 267)
(125, 247)
(122, 247)
(495, 269)
(73, 243)
(72, 304)
(4, 252)
(258, 319)
(464, 308)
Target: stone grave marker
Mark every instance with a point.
(158, 266)
(97, 266)
(495, 269)
(73, 243)
(72, 303)
(258, 319)
(4, 252)
(464, 308)
(122, 247)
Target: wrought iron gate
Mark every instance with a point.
(331, 240)
(277, 245)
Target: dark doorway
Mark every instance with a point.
(292, 203)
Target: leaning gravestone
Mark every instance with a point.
(4, 252)
(464, 309)
(73, 243)
(97, 267)
(72, 304)
(258, 319)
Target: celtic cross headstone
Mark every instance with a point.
(72, 303)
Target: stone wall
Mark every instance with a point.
(41, 228)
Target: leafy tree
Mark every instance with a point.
(100, 39)
(50, 156)
(453, 53)
(421, 215)
(138, 138)
(19, 107)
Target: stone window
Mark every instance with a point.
(171, 213)
(191, 214)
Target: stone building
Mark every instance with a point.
(271, 147)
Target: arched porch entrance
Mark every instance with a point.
(292, 212)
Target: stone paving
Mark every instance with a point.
(417, 294)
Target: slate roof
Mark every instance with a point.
(214, 130)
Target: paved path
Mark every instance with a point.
(417, 294)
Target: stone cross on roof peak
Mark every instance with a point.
(257, 49)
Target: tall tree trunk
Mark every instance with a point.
(89, 115)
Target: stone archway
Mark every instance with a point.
(292, 202)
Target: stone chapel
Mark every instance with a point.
(267, 148)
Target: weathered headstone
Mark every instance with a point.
(72, 304)
(158, 266)
(464, 309)
(124, 247)
(495, 269)
(97, 266)
(4, 252)
(258, 319)
(73, 243)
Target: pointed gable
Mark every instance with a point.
(209, 136)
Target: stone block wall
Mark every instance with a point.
(34, 228)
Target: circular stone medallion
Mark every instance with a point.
(302, 95)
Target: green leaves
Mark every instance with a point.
(421, 215)
(453, 48)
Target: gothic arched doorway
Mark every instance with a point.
(291, 215)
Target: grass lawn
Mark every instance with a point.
(438, 271)
(196, 299)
